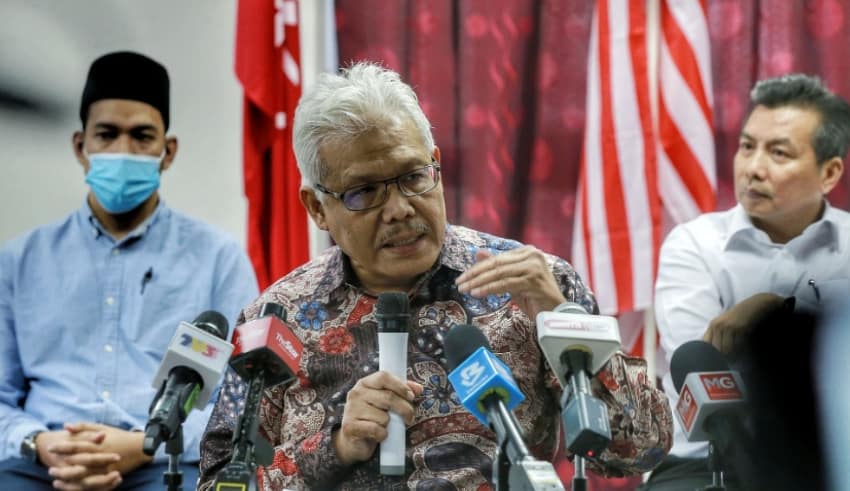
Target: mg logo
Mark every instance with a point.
(721, 386)
(686, 408)
(471, 373)
(686, 398)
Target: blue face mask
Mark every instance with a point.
(122, 181)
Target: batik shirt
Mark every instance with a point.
(446, 447)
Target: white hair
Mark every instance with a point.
(341, 107)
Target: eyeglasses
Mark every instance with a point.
(374, 194)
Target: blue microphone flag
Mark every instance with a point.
(483, 374)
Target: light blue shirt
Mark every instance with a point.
(85, 319)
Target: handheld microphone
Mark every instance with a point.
(577, 345)
(266, 353)
(393, 314)
(487, 389)
(190, 369)
(711, 402)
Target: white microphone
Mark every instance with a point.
(577, 345)
(194, 346)
(393, 314)
(571, 327)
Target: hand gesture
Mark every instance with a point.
(522, 272)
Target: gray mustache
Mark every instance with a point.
(401, 229)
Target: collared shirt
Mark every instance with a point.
(446, 445)
(712, 263)
(85, 319)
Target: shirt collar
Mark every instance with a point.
(86, 215)
(740, 225)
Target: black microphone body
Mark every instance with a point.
(695, 368)
(267, 353)
(171, 406)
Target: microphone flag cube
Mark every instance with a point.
(483, 374)
(200, 350)
(703, 394)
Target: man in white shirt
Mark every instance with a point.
(725, 272)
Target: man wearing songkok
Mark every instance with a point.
(88, 304)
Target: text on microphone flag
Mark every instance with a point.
(471, 374)
(720, 386)
(570, 325)
(197, 345)
(686, 408)
(480, 375)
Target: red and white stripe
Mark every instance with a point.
(617, 222)
(686, 165)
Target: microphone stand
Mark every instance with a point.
(579, 477)
(173, 477)
(248, 449)
(715, 465)
(515, 468)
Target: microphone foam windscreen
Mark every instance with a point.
(275, 309)
(212, 322)
(393, 303)
(461, 341)
(695, 356)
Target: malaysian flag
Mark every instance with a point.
(628, 170)
(617, 226)
(686, 166)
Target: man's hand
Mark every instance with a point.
(95, 456)
(77, 469)
(127, 444)
(366, 414)
(522, 272)
(727, 329)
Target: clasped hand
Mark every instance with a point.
(90, 456)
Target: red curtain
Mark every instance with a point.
(503, 83)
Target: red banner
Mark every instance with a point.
(268, 65)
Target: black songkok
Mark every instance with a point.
(126, 75)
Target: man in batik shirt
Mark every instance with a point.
(371, 178)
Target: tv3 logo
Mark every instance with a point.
(470, 374)
(720, 386)
(198, 346)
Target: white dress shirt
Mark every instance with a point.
(715, 261)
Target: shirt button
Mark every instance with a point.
(115, 252)
(110, 300)
(105, 394)
(107, 348)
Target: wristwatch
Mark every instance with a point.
(28, 448)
